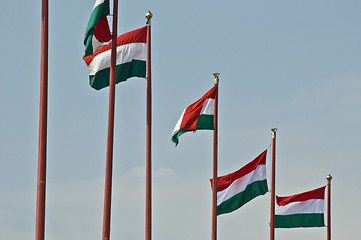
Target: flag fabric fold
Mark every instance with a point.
(97, 31)
(236, 189)
(130, 60)
(301, 210)
(198, 116)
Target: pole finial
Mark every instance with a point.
(148, 16)
(274, 130)
(216, 77)
(329, 178)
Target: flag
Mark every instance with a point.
(301, 210)
(198, 116)
(130, 60)
(97, 31)
(236, 189)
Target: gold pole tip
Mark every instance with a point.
(149, 15)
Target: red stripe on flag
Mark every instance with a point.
(191, 114)
(225, 181)
(102, 31)
(318, 193)
(135, 36)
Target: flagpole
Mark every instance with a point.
(110, 136)
(148, 191)
(43, 113)
(215, 162)
(329, 178)
(273, 186)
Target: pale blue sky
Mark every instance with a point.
(294, 65)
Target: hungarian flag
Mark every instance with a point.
(97, 31)
(130, 60)
(198, 116)
(301, 210)
(236, 189)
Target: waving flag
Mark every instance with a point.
(97, 31)
(301, 210)
(236, 189)
(199, 115)
(130, 60)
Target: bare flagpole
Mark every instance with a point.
(110, 136)
(43, 113)
(329, 178)
(215, 162)
(148, 191)
(273, 186)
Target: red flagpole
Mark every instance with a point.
(110, 136)
(43, 113)
(329, 178)
(215, 162)
(273, 187)
(148, 191)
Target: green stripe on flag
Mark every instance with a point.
(252, 190)
(177, 135)
(205, 122)
(299, 220)
(135, 68)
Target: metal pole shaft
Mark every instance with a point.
(329, 178)
(41, 181)
(273, 186)
(215, 166)
(110, 136)
(148, 205)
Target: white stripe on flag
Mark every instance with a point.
(95, 43)
(125, 53)
(240, 184)
(208, 107)
(308, 206)
(97, 3)
(177, 126)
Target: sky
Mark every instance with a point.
(293, 65)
